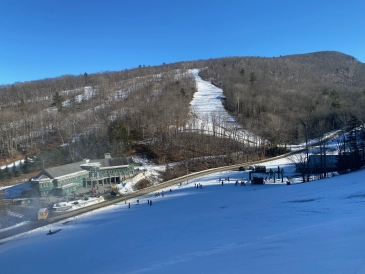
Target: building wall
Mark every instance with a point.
(55, 186)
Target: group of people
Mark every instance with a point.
(149, 201)
(158, 194)
(243, 183)
(95, 191)
(198, 185)
(222, 181)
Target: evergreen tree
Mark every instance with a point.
(7, 173)
(351, 159)
(15, 170)
(25, 167)
(354, 140)
(119, 138)
(252, 78)
(57, 100)
(86, 79)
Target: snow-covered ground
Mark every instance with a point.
(209, 115)
(73, 205)
(315, 227)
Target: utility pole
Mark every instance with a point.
(187, 172)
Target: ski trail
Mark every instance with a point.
(209, 115)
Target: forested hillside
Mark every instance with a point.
(284, 100)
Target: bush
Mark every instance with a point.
(142, 184)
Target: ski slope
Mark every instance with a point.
(209, 115)
(315, 227)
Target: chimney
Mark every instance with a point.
(107, 156)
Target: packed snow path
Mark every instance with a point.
(209, 115)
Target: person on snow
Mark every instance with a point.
(236, 183)
(129, 205)
(150, 202)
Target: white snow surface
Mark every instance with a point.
(209, 115)
(315, 227)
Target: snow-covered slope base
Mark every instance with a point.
(316, 227)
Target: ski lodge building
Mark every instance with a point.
(67, 179)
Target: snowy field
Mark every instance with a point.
(315, 227)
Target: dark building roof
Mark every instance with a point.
(110, 162)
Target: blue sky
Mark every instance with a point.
(41, 39)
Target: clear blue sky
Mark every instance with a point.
(41, 38)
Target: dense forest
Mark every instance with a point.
(281, 98)
(284, 100)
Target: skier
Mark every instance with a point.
(236, 183)
(170, 190)
(138, 202)
(201, 186)
(129, 205)
(150, 202)
(222, 183)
